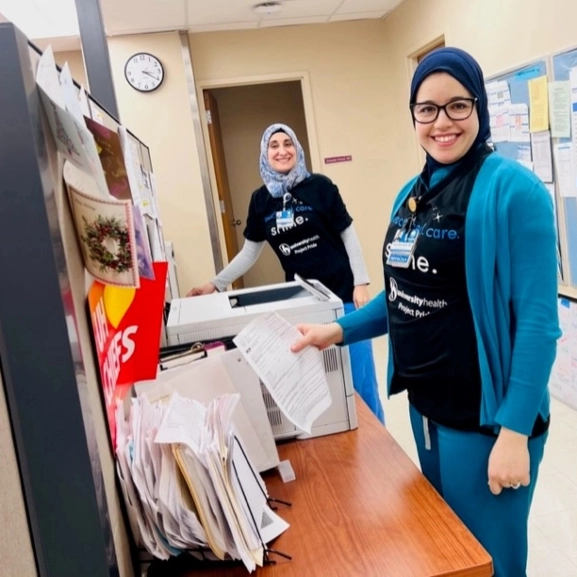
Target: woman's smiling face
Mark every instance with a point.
(282, 154)
(444, 139)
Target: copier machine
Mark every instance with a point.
(219, 315)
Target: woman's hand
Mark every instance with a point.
(361, 295)
(320, 336)
(205, 289)
(509, 462)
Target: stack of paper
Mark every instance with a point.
(188, 482)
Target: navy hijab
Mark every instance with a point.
(466, 70)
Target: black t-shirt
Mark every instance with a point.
(312, 246)
(430, 320)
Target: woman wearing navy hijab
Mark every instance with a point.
(304, 219)
(470, 306)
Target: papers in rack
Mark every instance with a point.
(296, 381)
(188, 482)
(206, 379)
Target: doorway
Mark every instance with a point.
(240, 114)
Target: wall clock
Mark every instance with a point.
(144, 72)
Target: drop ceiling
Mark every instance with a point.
(55, 21)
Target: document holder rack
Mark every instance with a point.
(198, 556)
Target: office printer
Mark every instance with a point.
(219, 315)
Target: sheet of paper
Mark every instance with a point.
(47, 78)
(253, 497)
(542, 162)
(206, 379)
(524, 155)
(500, 123)
(71, 136)
(563, 154)
(143, 253)
(180, 422)
(573, 88)
(296, 381)
(83, 99)
(560, 109)
(538, 104)
(498, 93)
(70, 94)
(499, 102)
(132, 163)
(519, 123)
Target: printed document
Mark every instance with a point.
(296, 381)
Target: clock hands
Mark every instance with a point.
(149, 74)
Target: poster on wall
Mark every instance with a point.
(126, 325)
(563, 380)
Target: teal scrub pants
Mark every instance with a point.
(364, 375)
(455, 462)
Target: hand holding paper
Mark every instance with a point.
(296, 381)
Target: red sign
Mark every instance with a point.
(126, 323)
(333, 159)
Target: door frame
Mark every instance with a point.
(218, 244)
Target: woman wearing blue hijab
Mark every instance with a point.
(304, 219)
(470, 306)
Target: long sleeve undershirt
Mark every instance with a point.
(251, 250)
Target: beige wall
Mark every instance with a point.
(245, 112)
(16, 553)
(359, 76)
(76, 64)
(163, 120)
(347, 68)
(501, 35)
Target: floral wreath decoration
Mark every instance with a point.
(96, 235)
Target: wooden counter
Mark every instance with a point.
(359, 507)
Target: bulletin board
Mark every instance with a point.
(563, 381)
(518, 83)
(562, 64)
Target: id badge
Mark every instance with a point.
(285, 218)
(402, 248)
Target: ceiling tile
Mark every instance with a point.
(302, 8)
(219, 27)
(355, 6)
(132, 15)
(356, 16)
(266, 23)
(220, 11)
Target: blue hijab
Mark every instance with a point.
(278, 183)
(466, 70)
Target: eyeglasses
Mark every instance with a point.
(427, 112)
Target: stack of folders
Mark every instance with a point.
(188, 483)
(179, 355)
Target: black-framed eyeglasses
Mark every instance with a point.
(458, 109)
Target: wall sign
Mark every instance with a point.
(126, 324)
(333, 159)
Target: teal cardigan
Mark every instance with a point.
(511, 272)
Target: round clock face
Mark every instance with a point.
(144, 72)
